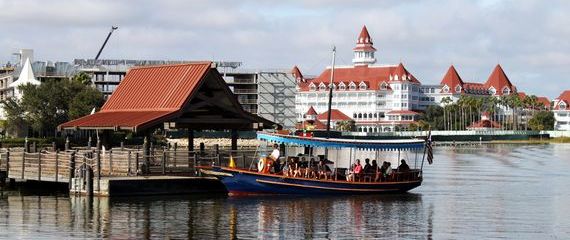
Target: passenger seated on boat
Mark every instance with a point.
(383, 170)
(388, 171)
(357, 170)
(286, 168)
(367, 170)
(404, 167)
(373, 173)
(297, 171)
(350, 173)
(323, 170)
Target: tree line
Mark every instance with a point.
(468, 109)
(43, 107)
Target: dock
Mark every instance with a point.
(122, 171)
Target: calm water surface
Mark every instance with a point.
(499, 191)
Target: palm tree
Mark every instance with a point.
(445, 101)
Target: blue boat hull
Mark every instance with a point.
(239, 181)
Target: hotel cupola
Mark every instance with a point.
(364, 51)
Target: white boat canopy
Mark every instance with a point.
(383, 145)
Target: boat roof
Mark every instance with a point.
(383, 145)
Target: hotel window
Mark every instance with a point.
(341, 86)
(362, 86)
(404, 104)
(405, 87)
(352, 87)
(458, 88)
(562, 107)
(383, 86)
(506, 90)
(445, 89)
(312, 87)
(322, 87)
(492, 90)
(404, 96)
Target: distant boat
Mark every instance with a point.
(258, 180)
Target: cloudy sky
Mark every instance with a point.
(530, 39)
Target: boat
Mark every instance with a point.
(257, 180)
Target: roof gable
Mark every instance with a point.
(156, 88)
(499, 80)
(452, 78)
(336, 115)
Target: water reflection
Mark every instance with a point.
(481, 192)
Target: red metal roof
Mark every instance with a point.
(372, 75)
(499, 80)
(336, 115)
(544, 101)
(364, 41)
(146, 96)
(156, 88)
(297, 73)
(402, 112)
(311, 111)
(452, 79)
(564, 97)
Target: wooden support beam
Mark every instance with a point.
(234, 139)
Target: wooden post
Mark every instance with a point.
(175, 149)
(89, 142)
(39, 166)
(34, 146)
(56, 165)
(98, 168)
(23, 163)
(234, 139)
(202, 148)
(122, 145)
(66, 143)
(146, 152)
(7, 161)
(89, 181)
(164, 161)
(71, 168)
(129, 163)
(110, 162)
(190, 140)
(53, 146)
(26, 145)
(137, 163)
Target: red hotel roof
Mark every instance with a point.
(452, 79)
(336, 115)
(146, 96)
(564, 97)
(499, 80)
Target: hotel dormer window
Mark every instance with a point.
(506, 90)
(341, 86)
(352, 86)
(384, 86)
(458, 89)
(322, 87)
(333, 86)
(362, 86)
(312, 87)
(492, 90)
(562, 106)
(445, 89)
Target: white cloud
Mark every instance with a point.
(528, 38)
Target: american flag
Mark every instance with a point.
(429, 149)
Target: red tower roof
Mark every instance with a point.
(564, 97)
(364, 41)
(297, 73)
(499, 80)
(311, 111)
(336, 115)
(452, 79)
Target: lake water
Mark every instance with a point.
(495, 191)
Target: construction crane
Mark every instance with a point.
(113, 28)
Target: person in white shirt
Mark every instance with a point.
(275, 154)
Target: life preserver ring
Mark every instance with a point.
(261, 164)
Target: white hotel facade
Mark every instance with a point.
(383, 98)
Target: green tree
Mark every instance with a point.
(15, 125)
(83, 78)
(543, 120)
(434, 117)
(347, 125)
(53, 102)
